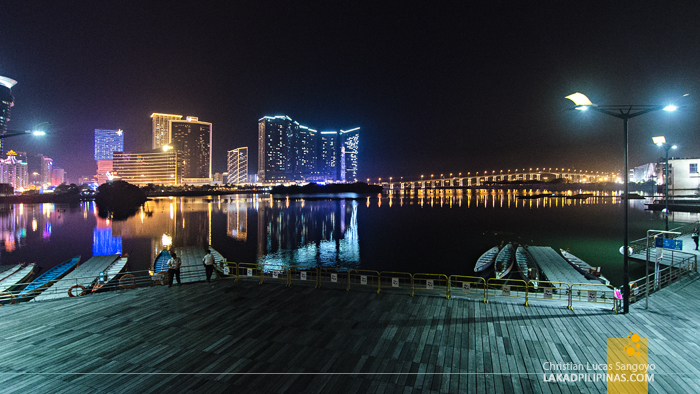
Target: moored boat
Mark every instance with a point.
(527, 265)
(504, 261)
(48, 278)
(584, 268)
(159, 269)
(110, 273)
(486, 259)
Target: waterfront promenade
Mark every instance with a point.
(354, 342)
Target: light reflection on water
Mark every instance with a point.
(441, 231)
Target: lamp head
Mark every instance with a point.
(660, 140)
(582, 102)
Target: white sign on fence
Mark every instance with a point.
(394, 282)
(592, 296)
(548, 293)
(505, 291)
(363, 279)
(334, 278)
(429, 284)
(249, 272)
(226, 270)
(466, 286)
(275, 275)
(303, 276)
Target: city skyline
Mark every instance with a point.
(446, 88)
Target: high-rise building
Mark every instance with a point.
(14, 172)
(58, 176)
(237, 166)
(6, 102)
(350, 140)
(46, 171)
(192, 138)
(161, 128)
(328, 155)
(159, 167)
(106, 142)
(290, 152)
(274, 137)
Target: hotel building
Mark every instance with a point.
(161, 128)
(192, 139)
(291, 152)
(237, 166)
(160, 167)
(6, 102)
(107, 142)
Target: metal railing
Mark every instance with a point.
(388, 281)
(640, 245)
(666, 276)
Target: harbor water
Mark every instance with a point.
(440, 231)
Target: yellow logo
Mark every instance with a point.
(628, 364)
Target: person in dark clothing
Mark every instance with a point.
(208, 262)
(174, 269)
(695, 237)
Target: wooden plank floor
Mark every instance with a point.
(240, 337)
(556, 269)
(84, 274)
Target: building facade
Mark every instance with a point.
(161, 128)
(106, 142)
(683, 175)
(159, 167)
(237, 165)
(291, 152)
(192, 139)
(7, 101)
(14, 172)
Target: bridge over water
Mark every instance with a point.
(490, 177)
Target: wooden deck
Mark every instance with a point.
(192, 269)
(556, 269)
(84, 275)
(240, 337)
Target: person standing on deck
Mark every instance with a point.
(695, 237)
(208, 262)
(174, 269)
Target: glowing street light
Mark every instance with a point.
(624, 112)
(661, 141)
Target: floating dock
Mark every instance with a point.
(192, 268)
(556, 269)
(84, 275)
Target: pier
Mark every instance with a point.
(247, 338)
(82, 275)
(556, 269)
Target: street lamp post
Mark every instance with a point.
(661, 141)
(624, 112)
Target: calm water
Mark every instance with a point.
(434, 232)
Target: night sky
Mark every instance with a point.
(436, 88)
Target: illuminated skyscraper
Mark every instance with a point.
(274, 136)
(6, 102)
(14, 172)
(106, 142)
(192, 139)
(350, 140)
(161, 128)
(290, 152)
(238, 166)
